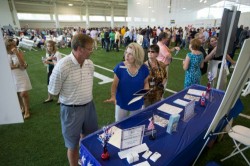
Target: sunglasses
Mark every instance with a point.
(151, 51)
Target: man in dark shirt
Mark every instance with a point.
(106, 39)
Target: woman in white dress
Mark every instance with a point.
(20, 76)
(52, 57)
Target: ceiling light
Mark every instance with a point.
(201, 1)
(205, 1)
(153, 11)
(168, 6)
(149, 7)
(184, 8)
(138, 3)
(70, 4)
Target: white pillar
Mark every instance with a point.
(87, 16)
(14, 14)
(56, 17)
(112, 16)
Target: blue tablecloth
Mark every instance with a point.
(180, 148)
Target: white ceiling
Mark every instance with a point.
(103, 7)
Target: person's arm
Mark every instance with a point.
(146, 85)
(186, 63)
(228, 58)
(58, 76)
(165, 74)
(113, 90)
(210, 55)
(175, 48)
(202, 64)
(19, 54)
(48, 61)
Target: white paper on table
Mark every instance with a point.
(181, 102)
(190, 97)
(115, 139)
(196, 92)
(170, 109)
(144, 163)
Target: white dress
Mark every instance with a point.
(20, 76)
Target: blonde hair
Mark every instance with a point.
(53, 44)
(138, 53)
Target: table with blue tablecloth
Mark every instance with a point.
(179, 148)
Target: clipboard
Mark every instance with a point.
(142, 92)
(139, 94)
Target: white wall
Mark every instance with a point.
(10, 111)
(245, 19)
(5, 14)
(162, 16)
(159, 13)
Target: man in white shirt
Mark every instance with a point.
(72, 78)
(94, 35)
(206, 34)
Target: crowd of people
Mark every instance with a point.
(147, 58)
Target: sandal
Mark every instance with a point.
(48, 100)
(26, 116)
(22, 110)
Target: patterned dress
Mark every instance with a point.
(193, 73)
(156, 75)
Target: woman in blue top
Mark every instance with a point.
(192, 64)
(130, 76)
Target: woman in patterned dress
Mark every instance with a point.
(157, 76)
(192, 64)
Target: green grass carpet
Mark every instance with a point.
(38, 141)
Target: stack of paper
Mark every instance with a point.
(190, 97)
(170, 109)
(196, 92)
(181, 102)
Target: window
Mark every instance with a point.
(69, 17)
(84, 18)
(128, 19)
(108, 18)
(119, 19)
(215, 11)
(137, 19)
(31, 16)
(145, 19)
(152, 20)
(203, 13)
(96, 18)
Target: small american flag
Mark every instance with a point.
(151, 125)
